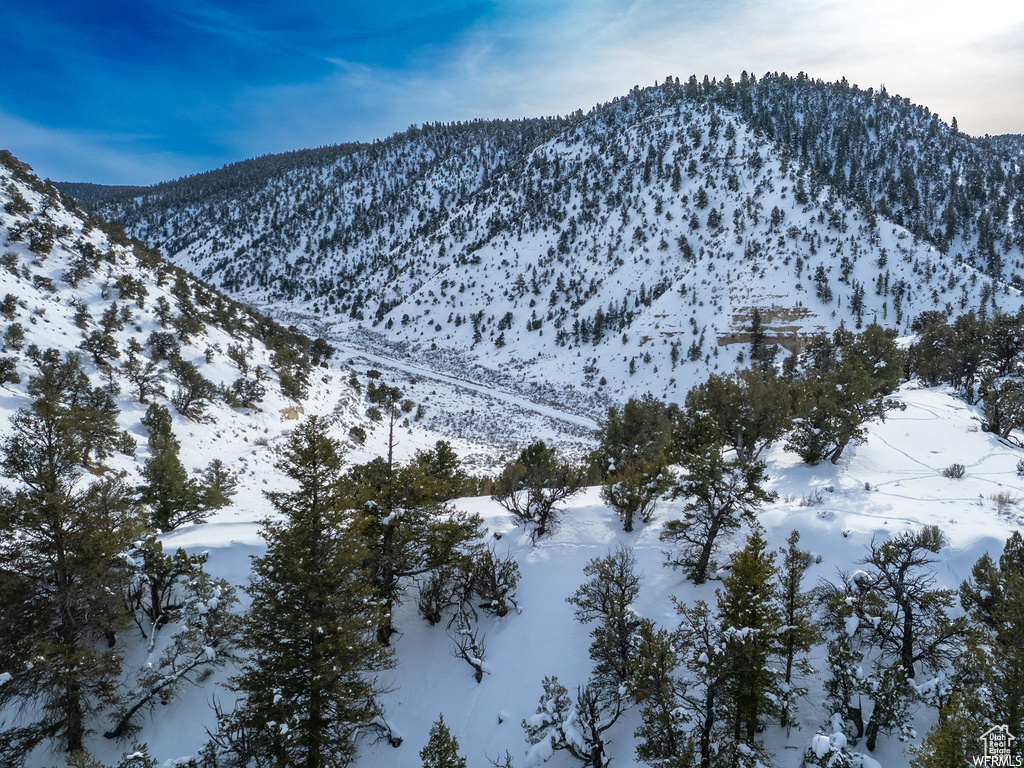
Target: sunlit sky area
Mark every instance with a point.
(138, 91)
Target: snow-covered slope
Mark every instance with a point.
(629, 245)
(890, 484)
(64, 279)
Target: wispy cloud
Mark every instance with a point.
(211, 81)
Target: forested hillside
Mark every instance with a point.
(685, 432)
(633, 241)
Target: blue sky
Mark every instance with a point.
(137, 91)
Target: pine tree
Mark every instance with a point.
(799, 633)
(640, 431)
(442, 750)
(846, 381)
(146, 376)
(171, 495)
(702, 640)
(663, 738)
(846, 682)
(407, 529)
(893, 696)
(720, 493)
(531, 487)
(747, 411)
(607, 598)
(310, 682)
(995, 599)
(62, 581)
(752, 623)
(910, 622)
(204, 640)
(633, 491)
(578, 727)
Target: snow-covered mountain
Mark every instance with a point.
(68, 277)
(628, 246)
(577, 259)
(76, 285)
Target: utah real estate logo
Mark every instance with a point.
(995, 744)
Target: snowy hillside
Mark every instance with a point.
(630, 245)
(72, 287)
(66, 279)
(889, 485)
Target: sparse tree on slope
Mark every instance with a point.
(531, 487)
(720, 493)
(61, 581)
(170, 494)
(310, 682)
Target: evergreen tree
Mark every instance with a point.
(799, 631)
(720, 493)
(206, 634)
(530, 487)
(846, 379)
(309, 683)
(893, 696)
(702, 641)
(217, 485)
(641, 431)
(607, 598)
(61, 582)
(843, 615)
(835, 410)
(442, 750)
(908, 617)
(632, 492)
(664, 741)
(195, 391)
(172, 497)
(577, 727)
(995, 599)
(747, 411)
(409, 533)
(145, 376)
(955, 740)
(155, 594)
(752, 622)
(442, 468)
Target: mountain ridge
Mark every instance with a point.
(559, 250)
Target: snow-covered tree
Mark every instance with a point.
(531, 487)
(664, 739)
(578, 727)
(62, 578)
(893, 696)
(799, 631)
(752, 625)
(633, 491)
(205, 637)
(908, 613)
(607, 598)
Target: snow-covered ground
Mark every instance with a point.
(889, 484)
